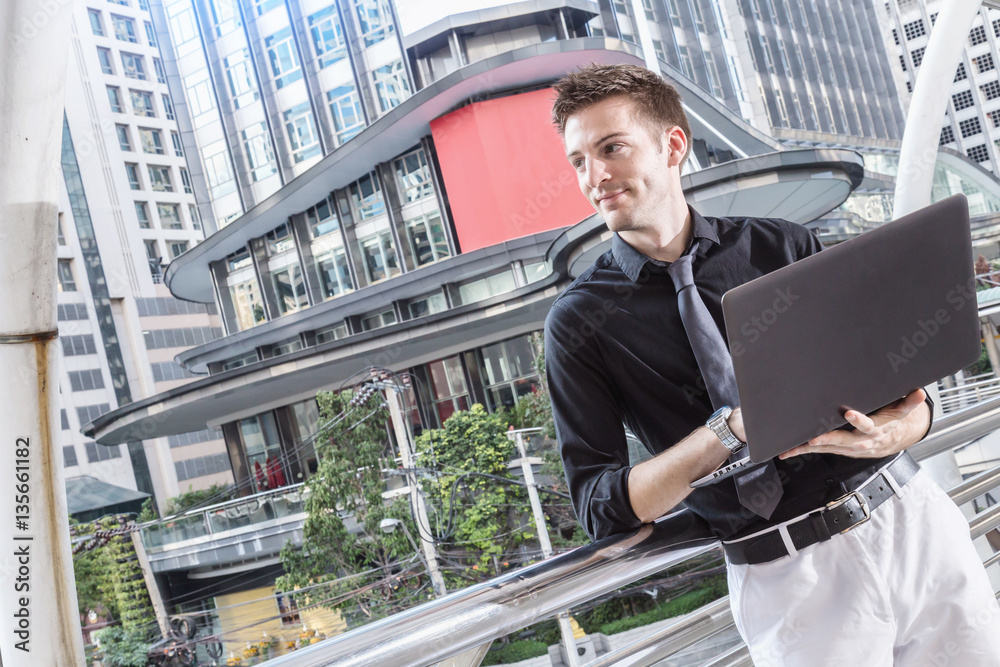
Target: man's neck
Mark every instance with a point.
(666, 241)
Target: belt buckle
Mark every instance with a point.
(861, 501)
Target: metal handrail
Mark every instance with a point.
(437, 630)
(467, 619)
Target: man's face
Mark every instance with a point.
(622, 169)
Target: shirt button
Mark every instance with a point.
(829, 481)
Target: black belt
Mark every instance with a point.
(836, 517)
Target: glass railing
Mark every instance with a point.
(222, 517)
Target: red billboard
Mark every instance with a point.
(505, 170)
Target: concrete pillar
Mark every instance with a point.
(38, 602)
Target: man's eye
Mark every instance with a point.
(578, 163)
(612, 148)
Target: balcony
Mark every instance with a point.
(242, 530)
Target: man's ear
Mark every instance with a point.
(677, 144)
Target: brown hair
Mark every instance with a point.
(658, 103)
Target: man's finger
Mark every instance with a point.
(860, 421)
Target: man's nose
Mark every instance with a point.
(596, 173)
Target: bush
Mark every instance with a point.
(714, 588)
(515, 652)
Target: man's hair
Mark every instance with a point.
(658, 103)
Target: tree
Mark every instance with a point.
(491, 518)
(364, 570)
(121, 647)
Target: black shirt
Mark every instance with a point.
(616, 353)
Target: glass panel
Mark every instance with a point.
(282, 57)
(327, 36)
(290, 289)
(239, 76)
(247, 304)
(260, 157)
(300, 129)
(334, 274)
(345, 108)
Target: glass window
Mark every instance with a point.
(199, 93)
(178, 248)
(379, 256)
(161, 74)
(374, 20)
(509, 372)
(432, 303)
(132, 171)
(150, 33)
(391, 85)
(260, 441)
(282, 57)
(289, 289)
(264, 6)
(327, 36)
(377, 319)
(104, 56)
(217, 170)
(427, 238)
(175, 139)
(159, 179)
(133, 65)
(96, 24)
(260, 157)
(168, 108)
(239, 259)
(115, 99)
(152, 141)
(366, 196)
(124, 29)
(124, 142)
(186, 181)
(286, 347)
(152, 251)
(247, 304)
(279, 239)
(170, 216)
(142, 214)
(484, 288)
(448, 387)
(300, 128)
(334, 273)
(195, 218)
(240, 362)
(414, 176)
(332, 333)
(66, 281)
(142, 103)
(239, 77)
(225, 16)
(182, 23)
(322, 219)
(345, 107)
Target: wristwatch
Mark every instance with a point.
(719, 423)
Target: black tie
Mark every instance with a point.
(759, 488)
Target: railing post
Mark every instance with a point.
(565, 628)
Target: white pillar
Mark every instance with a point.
(39, 622)
(919, 152)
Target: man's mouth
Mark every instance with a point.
(607, 198)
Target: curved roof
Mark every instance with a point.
(188, 276)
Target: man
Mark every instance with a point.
(903, 584)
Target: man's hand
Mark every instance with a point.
(885, 432)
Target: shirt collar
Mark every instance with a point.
(632, 262)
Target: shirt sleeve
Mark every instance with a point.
(588, 421)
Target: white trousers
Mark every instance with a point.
(905, 589)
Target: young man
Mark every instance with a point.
(625, 344)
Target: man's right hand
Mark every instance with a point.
(735, 422)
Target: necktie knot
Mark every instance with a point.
(681, 273)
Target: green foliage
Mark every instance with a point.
(217, 493)
(92, 570)
(981, 366)
(348, 486)
(492, 518)
(148, 512)
(515, 652)
(121, 647)
(714, 588)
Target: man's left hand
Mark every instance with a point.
(883, 433)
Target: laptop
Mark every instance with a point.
(856, 326)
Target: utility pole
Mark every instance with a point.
(417, 504)
(565, 629)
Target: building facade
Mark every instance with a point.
(126, 210)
